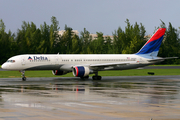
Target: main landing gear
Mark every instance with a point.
(23, 75)
(96, 77)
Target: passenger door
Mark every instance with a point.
(23, 61)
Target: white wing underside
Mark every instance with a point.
(112, 64)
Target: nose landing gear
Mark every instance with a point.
(23, 75)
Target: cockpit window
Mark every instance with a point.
(11, 61)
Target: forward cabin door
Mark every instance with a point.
(23, 61)
(58, 60)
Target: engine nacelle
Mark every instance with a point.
(80, 71)
(59, 72)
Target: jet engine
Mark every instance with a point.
(81, 71)
(59, 72)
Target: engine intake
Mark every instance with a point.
(81, 71)
(59, 72)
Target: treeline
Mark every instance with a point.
(45, 40)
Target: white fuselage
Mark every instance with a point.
(66, 62)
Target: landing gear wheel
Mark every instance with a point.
(99, 77)
(96, 77)
(23, 78)
(23, 75)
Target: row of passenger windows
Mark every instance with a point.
(79, 60)
(39, 60)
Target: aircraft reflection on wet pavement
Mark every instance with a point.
(144, 97)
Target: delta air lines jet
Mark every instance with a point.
(81, 65)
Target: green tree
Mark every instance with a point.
(54, 37)
(45, 42)
(132, 48)
(54, 24)
(108, 48)
(21, 39)
(97, 45)
(75, 44)
(119, 37)
(7, 44)
(67, 40)
(85, 39)
(130, 40)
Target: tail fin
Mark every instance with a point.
(153, 44)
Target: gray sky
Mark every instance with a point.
(95, 15)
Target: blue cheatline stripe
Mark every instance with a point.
(81, 71)
(152, 46)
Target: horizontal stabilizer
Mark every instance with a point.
(162, 59)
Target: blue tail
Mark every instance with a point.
(153, 44)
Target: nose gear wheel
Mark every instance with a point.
(23, 75)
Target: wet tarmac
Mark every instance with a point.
(124, 98)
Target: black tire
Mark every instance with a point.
(96, 77)
(99, 77)
(87, 77)
(23, 78)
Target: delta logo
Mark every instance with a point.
(29, 58)
(37, 58)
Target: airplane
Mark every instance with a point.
(82, 65)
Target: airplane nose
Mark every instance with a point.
(3, 66)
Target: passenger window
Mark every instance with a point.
(11, 61)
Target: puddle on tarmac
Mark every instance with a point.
(126, 89)
(50, 94)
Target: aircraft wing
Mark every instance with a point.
(112, 64)
(100, 65)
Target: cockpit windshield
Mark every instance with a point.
(11, 61)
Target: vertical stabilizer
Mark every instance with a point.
(153, 44)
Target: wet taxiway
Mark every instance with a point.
(140, 97)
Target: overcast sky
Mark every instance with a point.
(95, 15)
